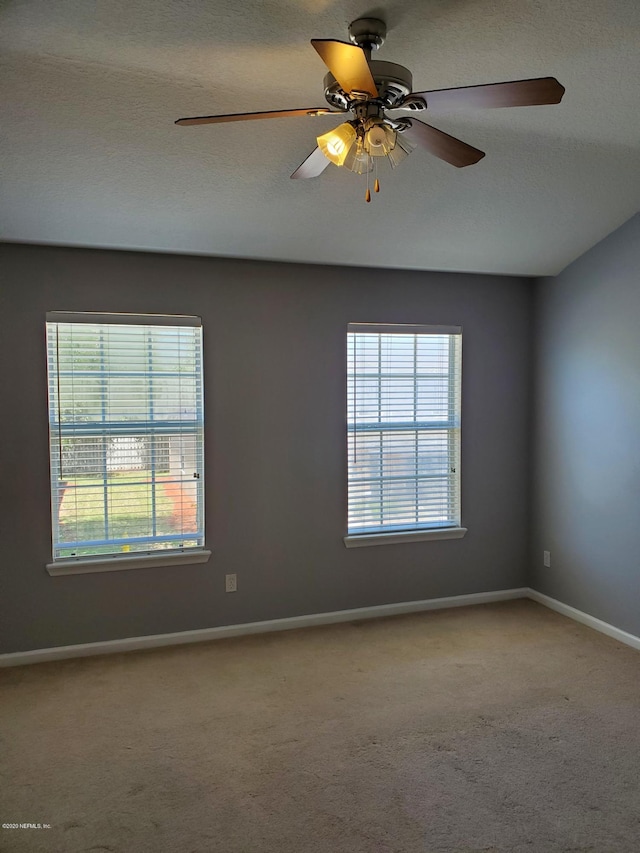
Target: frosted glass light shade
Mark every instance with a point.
(400, 151)
(358, 160)
(335, 145)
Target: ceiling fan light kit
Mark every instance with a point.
(369, 88)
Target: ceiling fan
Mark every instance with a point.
(369, 89)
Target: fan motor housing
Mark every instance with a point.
(394, 82)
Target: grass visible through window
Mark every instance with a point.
(129, 501)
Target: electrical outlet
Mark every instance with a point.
(230, 583)
(547, 558)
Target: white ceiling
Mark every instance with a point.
(91, 91)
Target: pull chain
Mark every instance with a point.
(376, 183)
(367, 196)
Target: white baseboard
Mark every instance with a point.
(585, 619)
(203, 635)
(154, 641)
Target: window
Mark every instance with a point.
(403, 421)
(126, 436)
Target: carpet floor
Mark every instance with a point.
(502, 728)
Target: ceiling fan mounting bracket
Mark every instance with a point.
(398, 124)
(414, 103)
(368, 33)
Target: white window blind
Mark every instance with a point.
(403, 420)
(126, 434)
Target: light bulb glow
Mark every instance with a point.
(336, 144)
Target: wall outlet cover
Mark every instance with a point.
(231, 583)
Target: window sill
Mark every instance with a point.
(363, 539)
(119, 563)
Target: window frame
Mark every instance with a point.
(116, 561)
(399, 533)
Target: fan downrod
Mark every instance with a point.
(368, 33)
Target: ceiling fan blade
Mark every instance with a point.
(314, 165)
(517, 93)
(348, 64)
(311, 111)
(445, 147)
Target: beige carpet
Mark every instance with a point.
(497, 728)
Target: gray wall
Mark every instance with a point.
(275, 441)
(587, 457)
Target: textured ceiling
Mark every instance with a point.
(90, 91)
